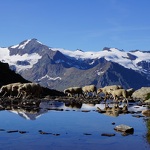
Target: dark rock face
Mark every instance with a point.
(130, 56)
(145, 65)
(23, 63)
(8, 76)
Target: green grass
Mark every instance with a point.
(148, 96)
(148, 132)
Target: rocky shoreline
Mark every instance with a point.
(33, 105)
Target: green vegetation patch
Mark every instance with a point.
(148, 132)
(148, 96)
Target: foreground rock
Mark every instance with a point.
(147, 101)
(141, 93)
(124, 128)
(146, 113)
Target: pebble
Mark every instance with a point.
(12, 131)
(108, 134)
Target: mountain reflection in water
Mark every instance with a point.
(46, 106)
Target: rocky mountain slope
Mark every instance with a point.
(57, 68)
(8, 76)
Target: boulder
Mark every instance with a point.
(146, 112)
(124, 128)
(141, 93)
(147, 101)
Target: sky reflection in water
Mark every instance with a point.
(70, 129)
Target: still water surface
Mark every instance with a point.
(71, 129)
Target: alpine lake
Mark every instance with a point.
(55, 124)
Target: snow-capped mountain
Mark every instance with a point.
(59, 68)
(129, 60)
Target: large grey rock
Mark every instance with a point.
(147, 101)
(141, 93)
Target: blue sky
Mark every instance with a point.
(89, 25)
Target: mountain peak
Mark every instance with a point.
(34, 41)
(134, 51)
(106, 48)
(112, 49)
(23, 44)
(80, 50)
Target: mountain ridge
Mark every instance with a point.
(58, 68)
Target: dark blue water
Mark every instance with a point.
(69, 129)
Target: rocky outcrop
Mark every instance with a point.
(146, 113)
(142, 93)
(147, 101)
